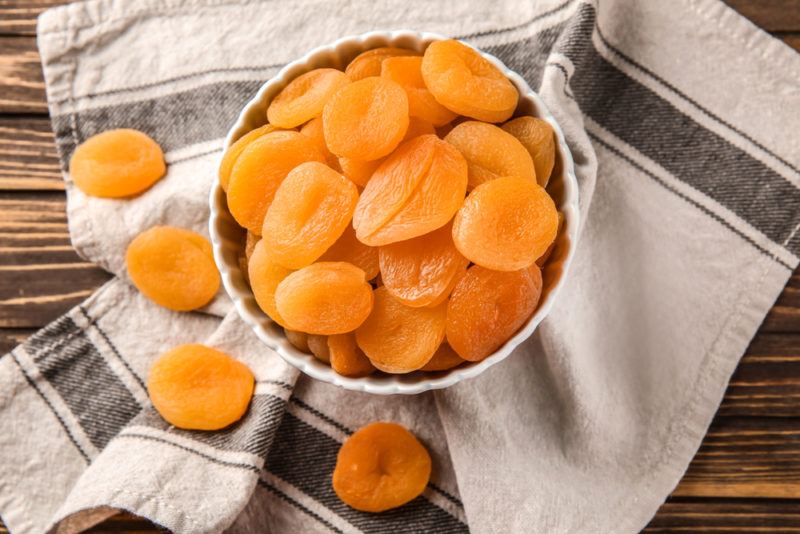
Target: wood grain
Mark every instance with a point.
(726, 516)
(19, 17)
(28, 159)
(770, 15)
(21, 78)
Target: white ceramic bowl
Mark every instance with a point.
(228, 238)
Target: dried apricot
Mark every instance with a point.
(544, 257)
(173, 267)
(313, 129)
(490, 153)
(417, 127)
(348, 248)
(419, 271)
(199, 388)
(311, 208)
(443, 359)
(346, 358)
(398, 338)
(260, 169)
(538, 138)
(368, 63)
(233, 152)
(415, 191)
(465, 82)
(265, 274)
(325, 298)
(366, 120)
(299, 340)
(505, 224)
(319, 347)
(117, 163)
(359, 172)
(487, 307)
(250, 244)
(304, 97)
(405, 71)
(380, 467)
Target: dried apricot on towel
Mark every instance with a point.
(173, 267)
(325, 298)
(233, 152)
(368, 63)
(538, 138)
(398, 338)
(117, 163)
(380, 467)
(304, 97)
(199, 388)
(346, 357)
(465, 82)
(265, 275)
(487, 307)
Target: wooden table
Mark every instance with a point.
(746, 476)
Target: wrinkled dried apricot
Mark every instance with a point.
(325, 298)
(346, 358)
(311, 208)
(490, 153)
(538, 138)
(505, 224)
(117, 163)
(415, 191)
(443, 359)
(233, 152)
(417, 127)
(313, 130)
(366, 120)
(380, 467)
(305, 96)
(199, 388)
(487, 307)
(544, 257)
(465, 82)
(405, 71)
(299, 340)
(368, 63)
(265, 274)
(359, 172)
(398, 338)
(173, 267)
(260, 169)
(419, 271)
(318, 345)
(348, 248)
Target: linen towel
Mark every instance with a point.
(687, 159)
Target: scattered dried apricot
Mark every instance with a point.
(346, 358)
(199, 388)
(265, 274)
(233, 152)
(465, 82)
(443, 359)
(173, 267)
(117, 163)
(538, 138)
(325, 298)
(348, 248)
(398, 338)
(505, 224)
(487, 307)
(311, 208)
(299, 340)
(368, 63)
(319, 347)
(405, 71)
(380, 467)
(304, 97)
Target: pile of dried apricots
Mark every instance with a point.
(395, 212)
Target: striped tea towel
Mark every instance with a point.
(679, 118)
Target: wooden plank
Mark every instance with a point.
(726, 516)
(785, 315)
(792, 39)
(770, 15)
(21, 78)
(18, 17)
(11, 337)
(28, 159)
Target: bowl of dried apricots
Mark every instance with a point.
(394, 212)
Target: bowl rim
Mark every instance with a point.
(308, 364)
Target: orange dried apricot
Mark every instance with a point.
(544, 257)
(505, 224)
(232, 154)
(415, 191)
(348, 248)
(325, 298)
(398, 338)
(346, 358)
(368, 63)
(199, 388)
(417, 127)
(318, 345)
(465, 82)
(380, 467)
(117, 163)
(487, 307)
(260, 169)
(405, 71)
(420, 271)
(265, 274)
(538, 138)
(443, 359)
(313, 129)
(311, 208)
(299, 340)
(366, 120)
(304, 97)
(490, 153)
(250, 244)
(173, 267)
(359, 172)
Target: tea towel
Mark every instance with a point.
(678, 117)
